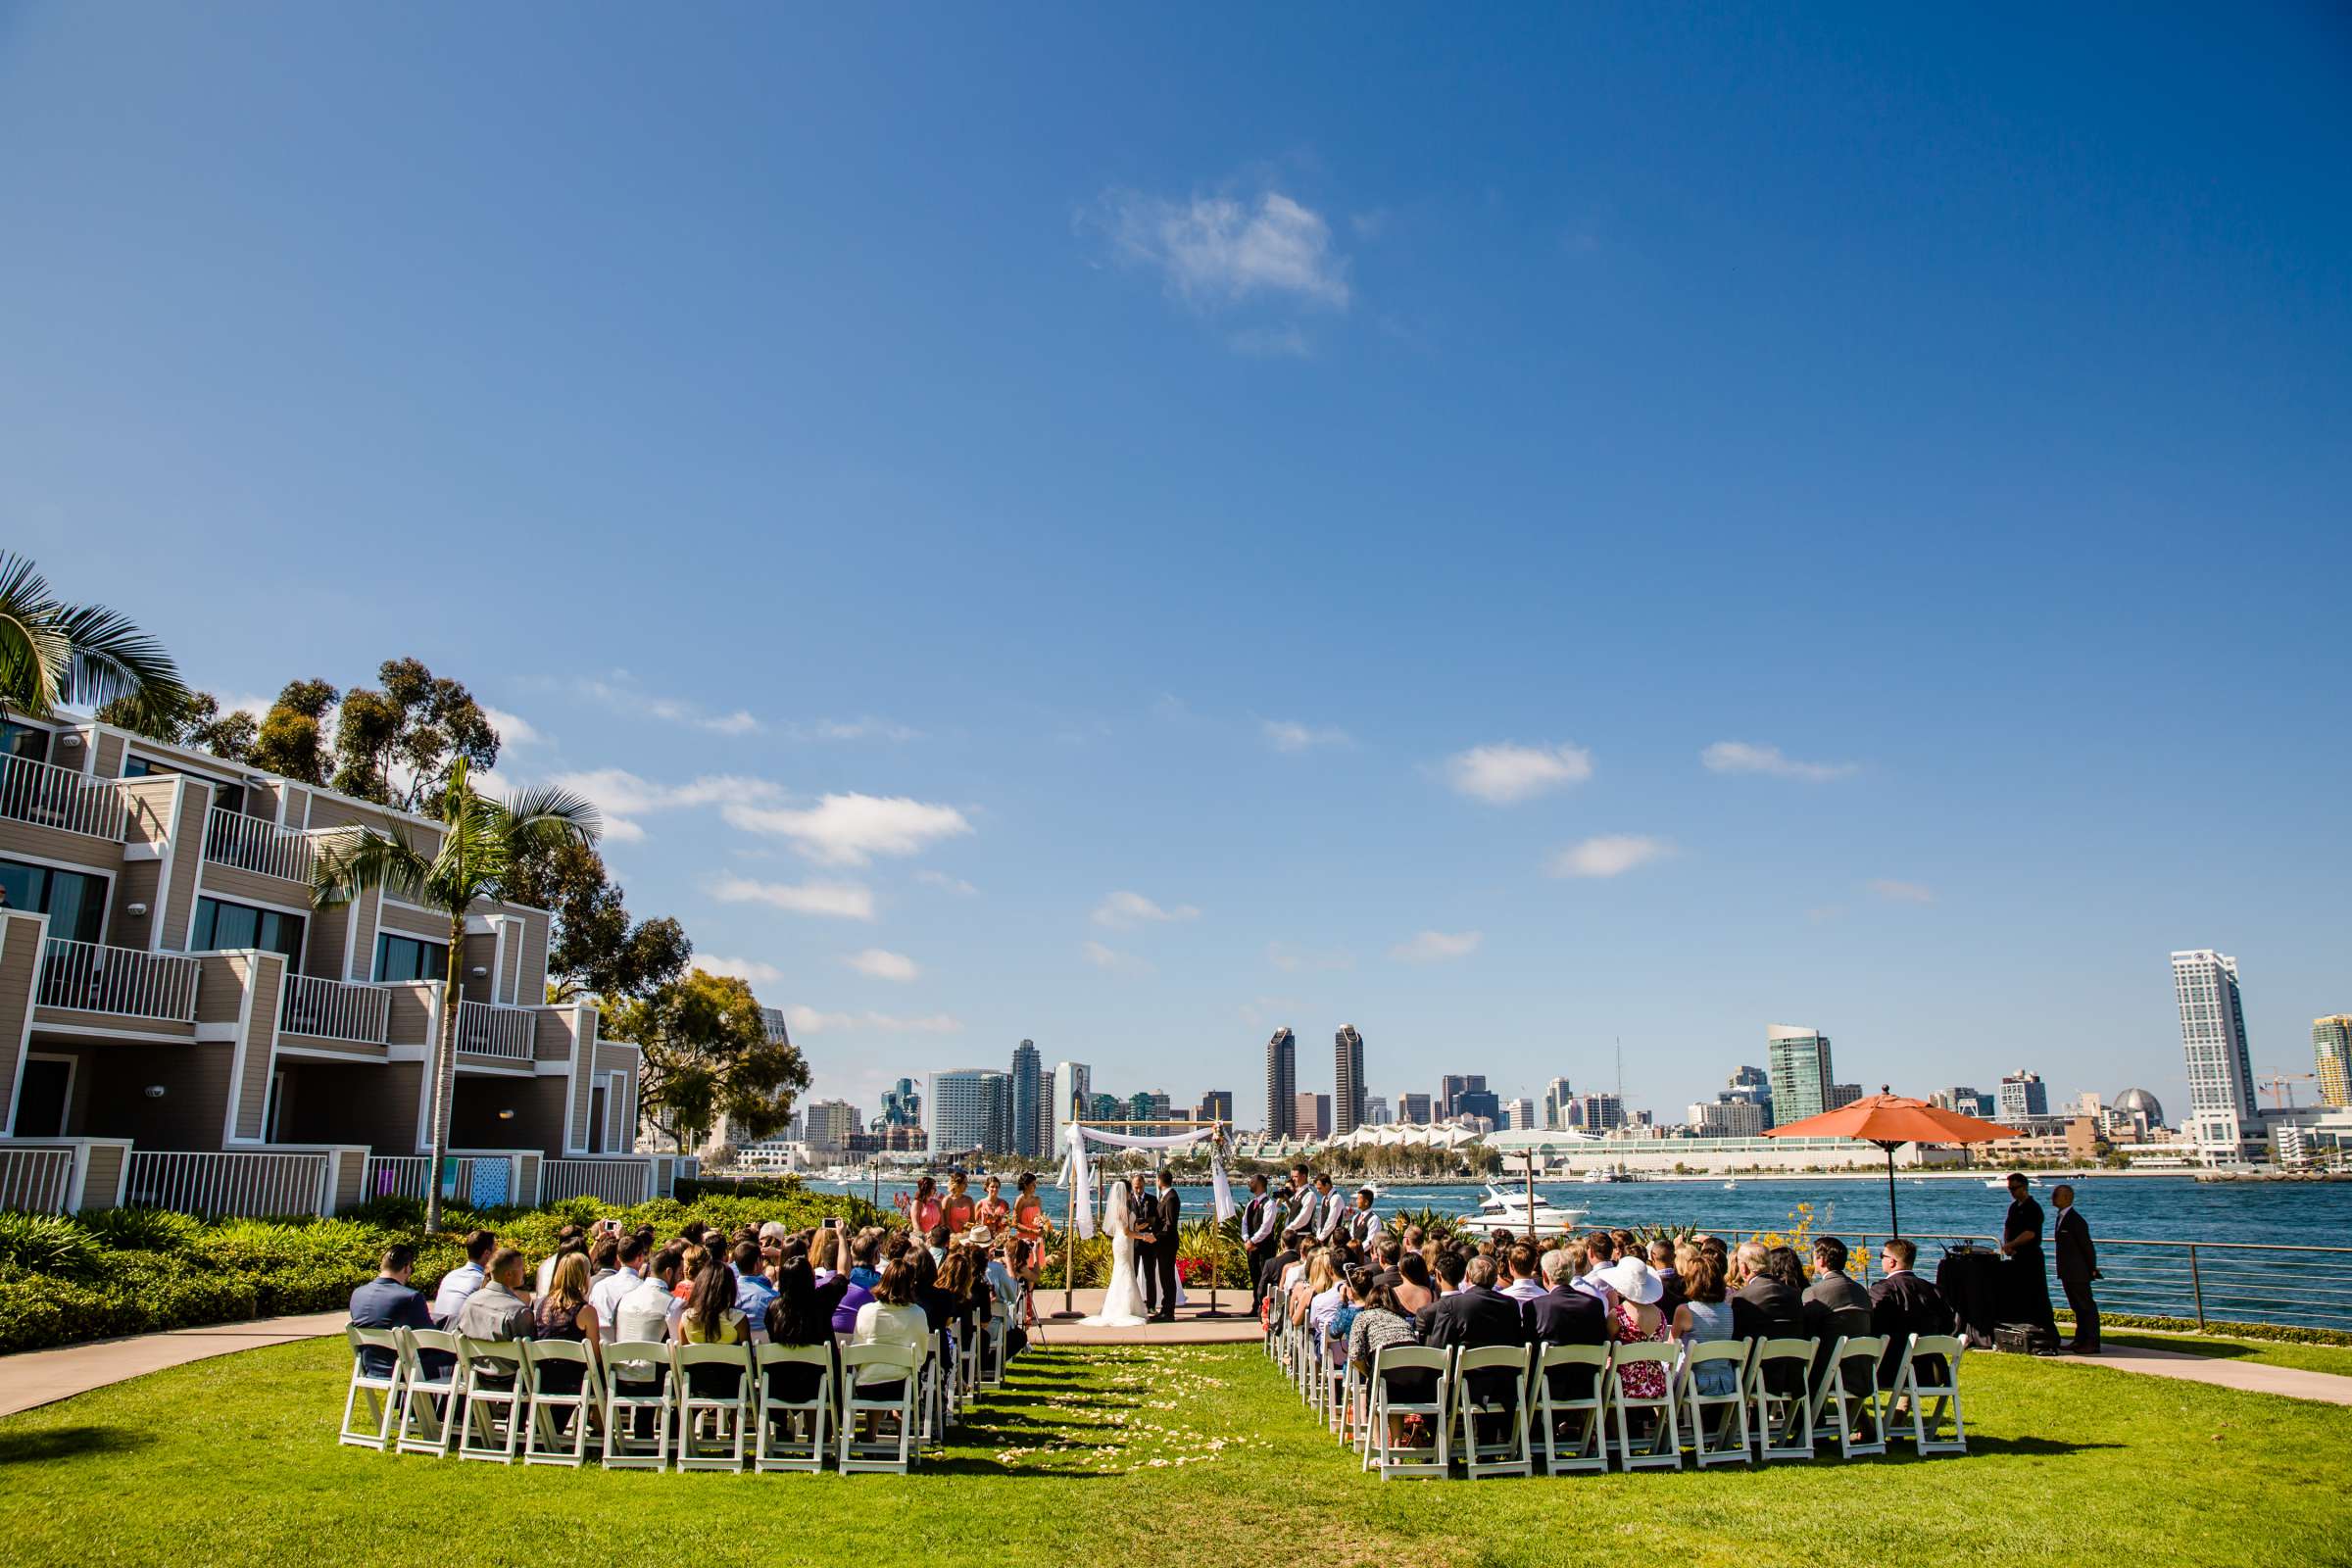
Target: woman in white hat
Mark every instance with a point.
(1637, 1320)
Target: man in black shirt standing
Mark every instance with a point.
(2027, 1278)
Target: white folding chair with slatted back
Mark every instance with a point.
(1385, 1451)
(713, 1406)
(567, 1392)
(490, 1380)
(869, 1367)
(774, 1447)
(640, 1401)
(429, 1409)
(1779, 1397)
(1560, 1413)
(378, 1387)
(1489, 1394)
(1727, 1442)
(1846, 1400)
(1929, 1370)
(1663, 1448)
(1334, 1373)
(936, 1410)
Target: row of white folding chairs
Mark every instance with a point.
(497, 1400)
(1775, 1410)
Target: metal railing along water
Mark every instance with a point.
(129, 981)
(489, 1030)
(250, 1185)
(258, 845)
(61, 798)
(335, 1009)
(36, 1181)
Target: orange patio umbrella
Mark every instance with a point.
(1889, 1121)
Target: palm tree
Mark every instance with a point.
(482, 843)
(53, 653)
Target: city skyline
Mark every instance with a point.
(1773, 556)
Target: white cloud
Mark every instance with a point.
(946, 883)
(880, 963)
(1894, 892)
(245, 703)
(1506, 773)
(1740, 756)
(864, 729)
(852, 829)
(1110, 959)
(1437, 947)
(845, 900)
(1610, 855)
(1288, 735)
(803, 1020)
(1290, 961)
(512, 728)
(622, 695)
(1215, 250)
(622, 795)
(1124, 910)
(756, 970)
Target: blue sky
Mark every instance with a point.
(1130, 529)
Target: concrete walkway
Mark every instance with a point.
(39, 1377)
(2250, 1376)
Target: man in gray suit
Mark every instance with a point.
(1835, 1303)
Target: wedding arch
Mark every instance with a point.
(1076, 1175)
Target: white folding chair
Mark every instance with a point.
(1577, 1417)
(711, 1426)
(1727, 1442)
(1780, 1377)
(1504, 1408)
(379, 1390)
(490, 1380)
(1664, 1449)
(937, 1410)
(775, 1447)
(429, 1411)
(1846, 1400)
(1914, 1387)
(638, 1393)
(888, 1363)
(1332, 1373)
(1382, 1453)
(543, 1364)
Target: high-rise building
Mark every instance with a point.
(1800, 1074)
(1596, 1113)
(1727, 1118)
(1556, 1095)
(1310, 1114)
(971, 1108)
(1148, 1107)
(1105, 1107)
(1451, 1087)
(1215, 1106)
(901, 1106)
(1749, 1086)
(1479, 1101)
(2222, 1118)
(1844, 1094)
(1348, 1079)
(2331, 1057)
(1376, 1111)
(831, 1123)
(1415, 1110)
(772, 1019)
(1967, 1101)
(2024, 1095)
(1282, 1084)
(1519, 1115)
(1030, 1121)
(1073, 1096)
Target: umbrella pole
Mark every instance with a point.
(1894, 1226)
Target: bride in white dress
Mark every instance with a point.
(1123, 1302)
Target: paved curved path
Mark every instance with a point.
(40, 1377)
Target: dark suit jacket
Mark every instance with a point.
(1472, 1317)
(1836, 1304)
(2077, 1261)
(384, 1304)
(1901, 1306)
(1165, 1215)
(1767, 1309)
(1562, 1316)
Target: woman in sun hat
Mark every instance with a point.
(1637, 1320)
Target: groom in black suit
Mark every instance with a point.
(1142, 1224)
(1164, 1223)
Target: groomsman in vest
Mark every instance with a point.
(1300, 1228)
(1328, 1213)
(1360, 1225)
(1262, 1217)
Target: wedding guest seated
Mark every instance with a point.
(890, 1318)
(755, 1291)
(1901, 1305)
(1325, 1303)
(1637, 1320)
(1767, 1306)
(801, 1313)
(604, 1261)
(696, 1255)
(1520, 1265)
(1379, 1322)
(1704, 1316)
(1601, 1251)
(1566, 1315)
(497, 1310)
(713, 1319)
(464, 1280)
(1836, 1304)
(1475, 1315)
(562, 1311)
(1662, 1263)
(387, 1302)
(1413, 1289)
(865, 1268)
(649, 1311)
(569, 1239)
(1318, 1275)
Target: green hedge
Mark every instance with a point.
(140, 1271)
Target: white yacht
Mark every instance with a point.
(1508, 1211)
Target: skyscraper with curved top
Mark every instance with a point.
(1282, 1084)
(1347, 1079)
(1030, 1119)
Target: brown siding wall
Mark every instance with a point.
(481, 953)
(328, 1102)
(551, 1035)
(109, 755)
(261, 1046)
(136, 884)
(150, 802)
(412, 1016)
(71, 1020)
(322, 942)
(178, 908)
(530, 985)
(195, 1083)
(413, 922)
(362, 937)
(20, 966)
(220, 988)
(56, 843)
(100, 1182)
(252, 887)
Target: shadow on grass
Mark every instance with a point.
(2032, 1446)
(69, 1443)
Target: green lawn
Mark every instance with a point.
(1112, 1456)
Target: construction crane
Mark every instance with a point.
(2278, 1084)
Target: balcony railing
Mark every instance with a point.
(249, 1185)
(258, 845)
(335, 1009)
(616, 1181)
(36, 1181)
(61, 798)
(131, 981)
(489, 1030)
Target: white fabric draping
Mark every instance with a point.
(1074, 1169)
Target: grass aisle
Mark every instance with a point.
(1104, 1457)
